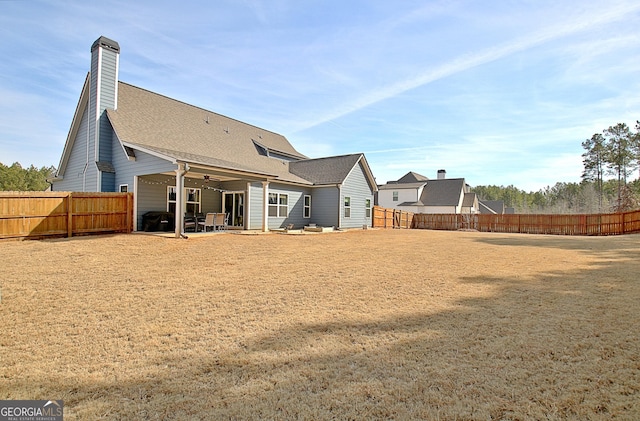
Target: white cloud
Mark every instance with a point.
(581, 22)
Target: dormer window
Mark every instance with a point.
(274, 153)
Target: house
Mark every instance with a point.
(179, 158)
(416, 193)
(492, 207)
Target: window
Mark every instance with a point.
(395, 196)
(367, 208)
(171, 199)
(278, 205)
(192, 200)
(306, 208)
(124, 188)
(347, 207)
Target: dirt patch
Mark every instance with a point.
(374, 324)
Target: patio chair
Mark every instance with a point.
(190, 222)
(221, 222)
(208, 222)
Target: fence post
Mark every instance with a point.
(129, 217)
(69, 215)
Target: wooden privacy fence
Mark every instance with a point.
(391, 218)
(45, 214)
(583, 224)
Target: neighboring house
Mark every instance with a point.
(416, 193)
(406, 189)
(179, 158)
(470, 203)
(495, 207)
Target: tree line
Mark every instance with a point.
(609, 160)
(562, 198)
(17, 178)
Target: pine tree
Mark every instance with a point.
(620, 157)
(594, 163)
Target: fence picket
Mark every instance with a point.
(45, 214)
(579, 224)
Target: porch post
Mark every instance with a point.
(247, 208)
(179, 215)
(265, 206)
(135, 202)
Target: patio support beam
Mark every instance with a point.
(135, 202)
(265, 207)
(179, 216)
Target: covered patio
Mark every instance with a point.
(183, 198)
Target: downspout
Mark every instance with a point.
(179, 216)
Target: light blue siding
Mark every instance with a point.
(92, 170)
(143, 164)
(295, 199)
(295, 203)
(152, 195)
(102, 95)
(108, 182)
(356, 187)
(108, 79)
(325, 206)
(149, 197)
(107, 87)
(74, 173)
(256, 205)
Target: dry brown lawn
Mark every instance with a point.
(361, 325)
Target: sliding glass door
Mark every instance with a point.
(234, 207)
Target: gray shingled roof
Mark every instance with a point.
(321, 171)
(181, 131)
(469, 199)
(412, 177)
(401, 186)
(444, 192)
(496, 206)
(410, 180)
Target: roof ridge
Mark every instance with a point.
(333, 156)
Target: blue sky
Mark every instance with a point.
(496, 92)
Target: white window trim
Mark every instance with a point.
(306, 208)
(277, 205)
(367, 208)
(126, 186)
(347, 207)
(184, 197)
